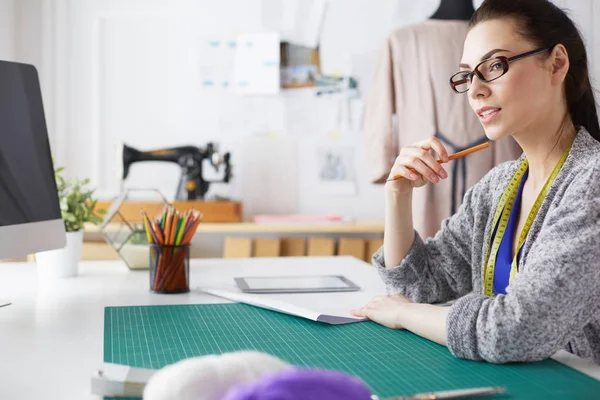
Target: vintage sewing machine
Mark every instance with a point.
(192, 185)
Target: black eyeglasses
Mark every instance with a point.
(488, 70)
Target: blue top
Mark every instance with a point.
(505, 257)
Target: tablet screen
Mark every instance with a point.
(299, 282)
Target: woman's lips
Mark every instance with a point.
(487, 114)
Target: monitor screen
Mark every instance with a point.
(28, 194)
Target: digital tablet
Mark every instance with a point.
(295, 284)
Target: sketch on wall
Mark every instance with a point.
(336, 174)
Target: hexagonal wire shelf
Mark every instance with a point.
(127, 237)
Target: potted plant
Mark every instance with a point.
(77, 207)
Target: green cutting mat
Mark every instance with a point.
(390, 362)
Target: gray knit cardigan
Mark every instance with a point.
(553, 302)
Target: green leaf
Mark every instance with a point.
(76, 202)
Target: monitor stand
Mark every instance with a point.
(4, 303)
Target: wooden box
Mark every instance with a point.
(212, 211)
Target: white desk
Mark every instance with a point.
(51, 338)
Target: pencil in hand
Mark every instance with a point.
(451, 157)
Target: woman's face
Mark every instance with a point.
(520, 98)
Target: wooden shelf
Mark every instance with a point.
(251, 227)
(298, 85)
(213, 211)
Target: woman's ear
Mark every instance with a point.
(560, 64)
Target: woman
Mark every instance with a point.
(529, 285)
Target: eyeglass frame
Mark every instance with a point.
(505, 60)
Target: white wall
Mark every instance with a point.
(27, 35)
(116, 70)
(7, 30)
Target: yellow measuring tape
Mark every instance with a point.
(502, 215)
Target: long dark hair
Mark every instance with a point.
(546, 25)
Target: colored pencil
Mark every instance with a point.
(450, 157)
(170, 233)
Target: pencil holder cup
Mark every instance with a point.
(169, 268)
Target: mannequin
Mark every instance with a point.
(406, 106)
(455, 10)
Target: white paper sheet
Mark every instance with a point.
(331, 308)
(298, 21)
(256, 65)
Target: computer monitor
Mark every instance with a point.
(30, 219)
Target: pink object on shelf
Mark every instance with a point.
(304, 218)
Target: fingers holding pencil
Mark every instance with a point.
(417, 165)
(417, 159)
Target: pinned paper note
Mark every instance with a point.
(334, 135)
(256, 64)
(215, 61)
(337, 73)
(298, 21)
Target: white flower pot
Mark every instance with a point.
(61, 263)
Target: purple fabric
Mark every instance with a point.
(302, 384)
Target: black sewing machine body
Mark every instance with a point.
(192, 185)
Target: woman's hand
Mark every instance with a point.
(418, 158)
(384, 310)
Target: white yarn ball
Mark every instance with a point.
(210, 377)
